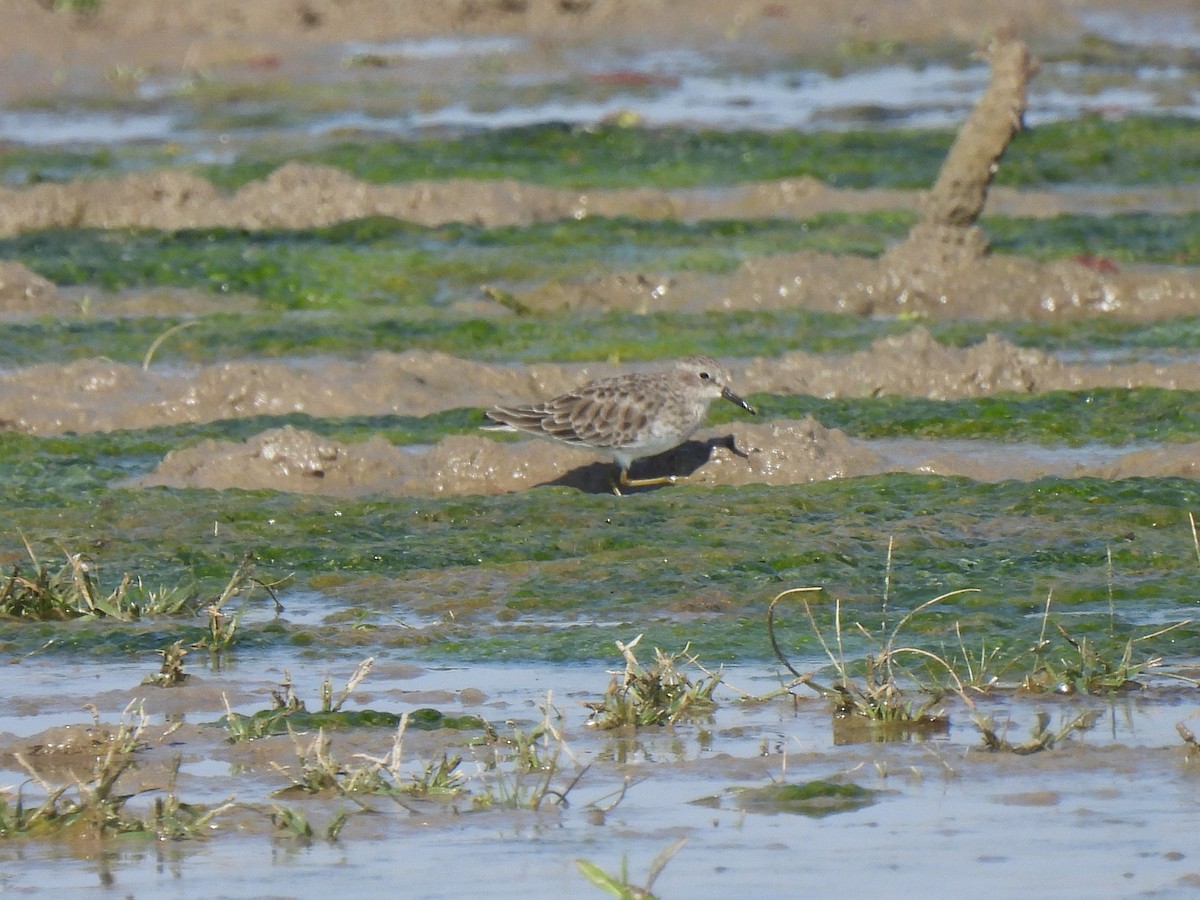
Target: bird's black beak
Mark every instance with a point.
(738, 401)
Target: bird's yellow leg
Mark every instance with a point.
(624, 481)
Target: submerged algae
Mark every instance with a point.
(501, 337)
(370, 263)
(378, 262)
(1134, 149)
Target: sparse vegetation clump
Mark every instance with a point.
(318, 771)
(872, 698)
(1078, 666)
(91, 806)
(876, 700)
(288, 713)
(40, 592)
(170, 673)
(1041, 735)
(521, 770)
(517, 769)
(658, 694)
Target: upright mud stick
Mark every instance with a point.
(631, 416)
(946, 232)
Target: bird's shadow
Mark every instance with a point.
(681, 461)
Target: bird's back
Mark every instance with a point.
(609, 413)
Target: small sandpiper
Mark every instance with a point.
(630, 416)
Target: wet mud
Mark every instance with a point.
(99, 395)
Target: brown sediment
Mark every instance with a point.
(300, 461)
(946, 234)
(100, 395)
(24, 292)
(993, 287)
(302, 195)
(778, 453)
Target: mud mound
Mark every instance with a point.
(302, 195)
(913, 364)
(281, 459)
(24, 293)
(778, 453)
(992, 287)
(100, 395)
(295, 460)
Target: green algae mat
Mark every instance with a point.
(556, 575)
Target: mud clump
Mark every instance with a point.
(912, 365)
(25, 293)
(947, 235)
(303, 195)
(296, 460)
(281, 459)
(777, 453)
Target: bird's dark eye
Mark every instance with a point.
(704, 376)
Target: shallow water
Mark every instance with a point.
(934, 96)
(1146, 28)
(92, 128)
(1007, 460)
(1116, 799)
(659, 87)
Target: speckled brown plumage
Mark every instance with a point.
(629, 416)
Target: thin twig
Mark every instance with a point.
(162, 337)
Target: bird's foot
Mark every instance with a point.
(624, 481)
